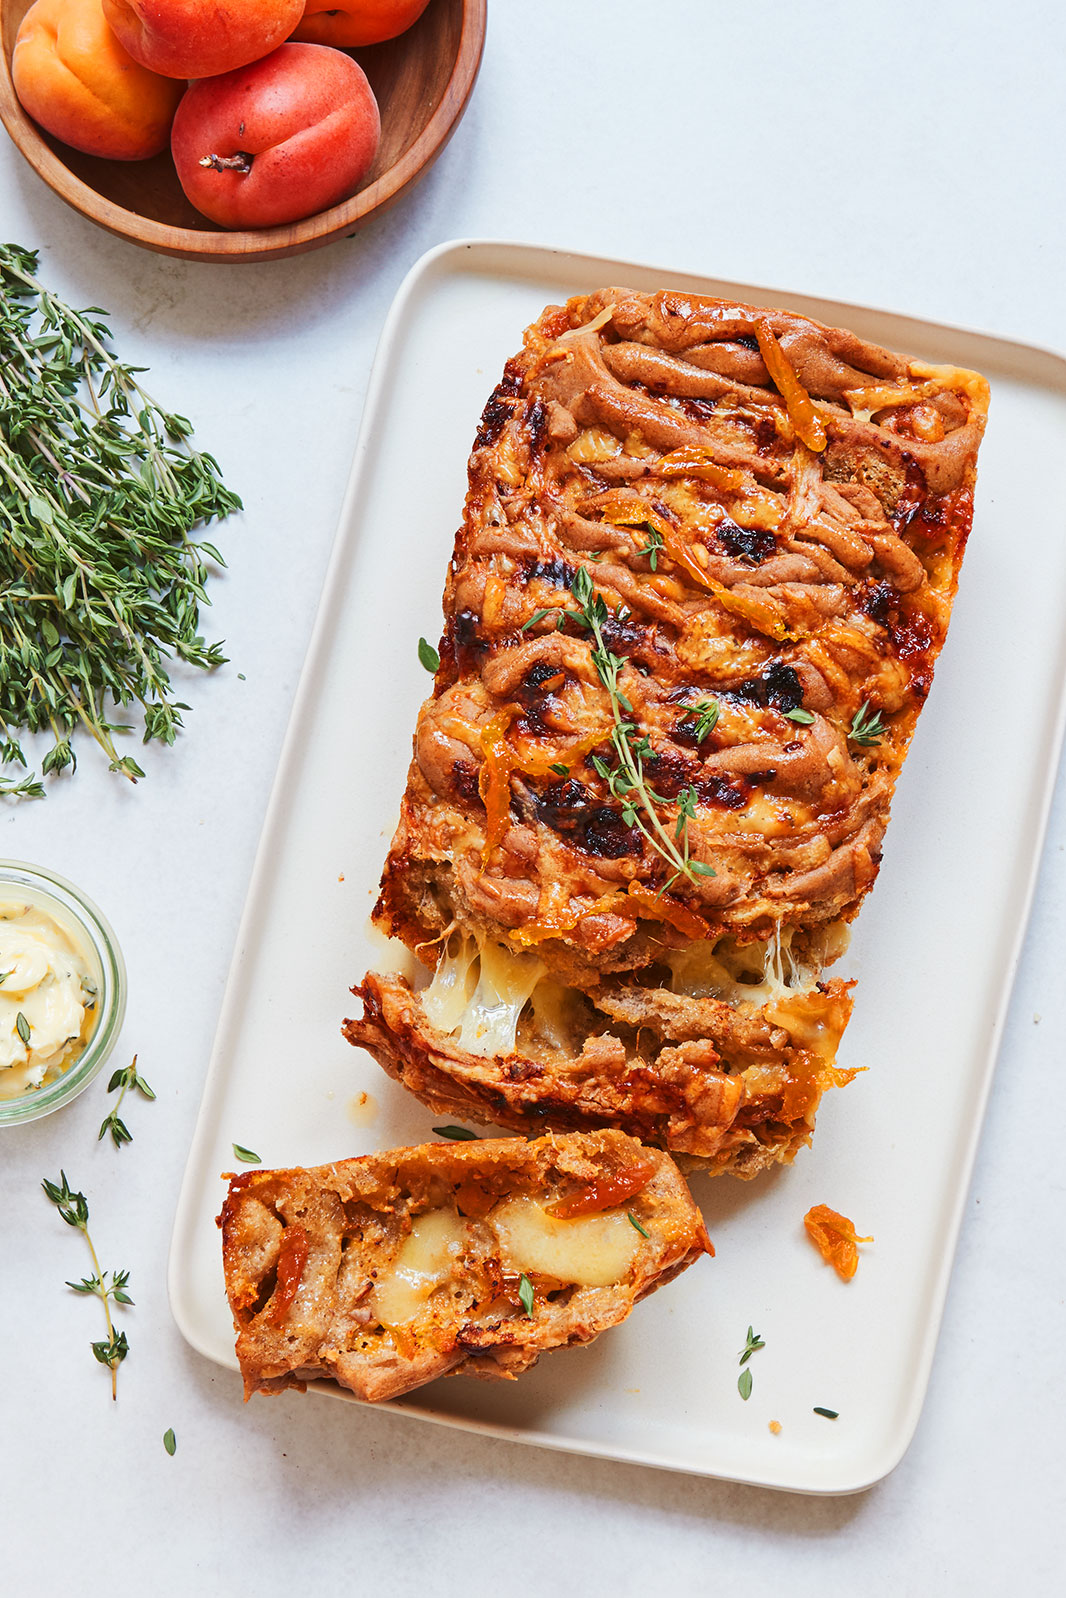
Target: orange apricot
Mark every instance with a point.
(357, 22)
(201, 38)
(74, 78)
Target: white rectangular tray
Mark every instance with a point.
(934, 950)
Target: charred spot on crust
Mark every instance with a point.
(571, 810)
(728, 793)
(463, 643)
(499, 407)
(668, 773)
(777, 687)
(557, 573)
(537, 422)
(745, 543)
(880, 601)
(464, 781)
(624, 637)
(532, 683)
(534, 692)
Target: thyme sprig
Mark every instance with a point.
(100, 584)
(654, 547)
(74, 1209)
(752, 1343)
(867, 727)
(626, 780)
(703, 716)
(125, 1079)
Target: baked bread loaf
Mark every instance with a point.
(388, 1271)
(706, 566)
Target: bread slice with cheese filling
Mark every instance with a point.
(387, 1271)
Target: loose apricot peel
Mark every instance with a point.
(835, 1238)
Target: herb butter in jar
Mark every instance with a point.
(62, 991)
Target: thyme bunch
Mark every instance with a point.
(100, 583)
(626, 779)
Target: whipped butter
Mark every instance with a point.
(47, 998)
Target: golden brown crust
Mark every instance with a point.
(304, 1249)
(713, 506)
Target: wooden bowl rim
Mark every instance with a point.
(259, 244)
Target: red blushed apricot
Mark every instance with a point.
(74, 78)
(200, 38)
(358, 21)
(278, 140)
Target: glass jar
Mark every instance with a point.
(92, 937)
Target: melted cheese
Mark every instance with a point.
(590, 1250)
(755, 973)
(426, 1259)
(478, 992)
(594, 444)
(556, 1015)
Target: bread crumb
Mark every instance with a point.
(340, 879)
(1036, 1020)
(775, 1427)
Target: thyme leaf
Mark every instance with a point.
(744, 1385)
(112, 1350)
(830, 1414)
(458, 1134)
(631, 1218)
(22, 1027)
(752, 1344)
(100, 582)
(801, 717)
(538, 615)
(704, 717)
(867, 728)
(246, 1156)
(428, 655)
(525, 1293)
(653, 548)
(170, 1442)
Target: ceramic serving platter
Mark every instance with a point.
(934, 950)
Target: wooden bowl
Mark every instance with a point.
(422, 81)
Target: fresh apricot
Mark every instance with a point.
(277, 140)
(200, 38)
(74, 77)
(358, 21)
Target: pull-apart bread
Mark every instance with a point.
(706, 566)
(387, 1271)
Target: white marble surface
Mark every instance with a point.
(897, 156)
